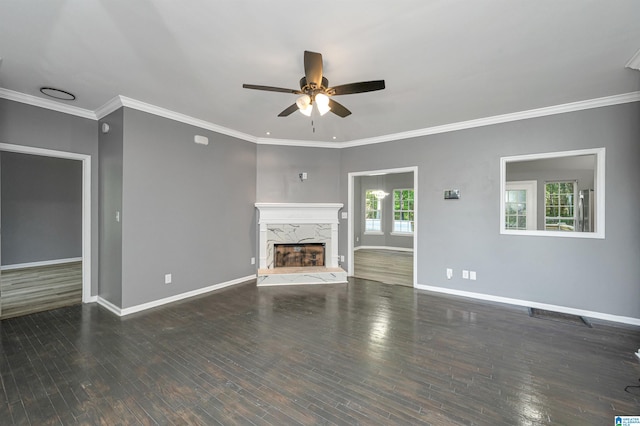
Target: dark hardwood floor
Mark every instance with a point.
(362, 352)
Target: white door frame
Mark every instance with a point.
(352, 213)
(86, 205)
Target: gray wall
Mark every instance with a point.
(187, 209)
(41, 208)
(591, 274)
(26, 125)
(110, 148)
(278, 170)
(387, 183)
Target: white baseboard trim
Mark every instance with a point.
(520, 302)
(41, 263)
(299, 284)
(109, 306)
(91, 299)
(144, 306)
(382, 248)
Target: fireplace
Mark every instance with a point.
(298, 244)
(299, 255)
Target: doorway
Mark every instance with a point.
(382, 225)
(77, 267)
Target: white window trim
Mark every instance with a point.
(600, 174)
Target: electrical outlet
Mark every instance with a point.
(167, 278)
(465, 274)
(253, 260)
(472, 275)
(341, 258)
(449, 273)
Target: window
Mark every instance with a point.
(372, 212)
(403, 211)
(520, 205)
(559, 206)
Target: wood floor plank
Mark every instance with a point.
(364, 353)
(28, 290)
(385, 266)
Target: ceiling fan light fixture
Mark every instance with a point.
(322, 102)
(307, 110)
(304, 105)
(303, 102)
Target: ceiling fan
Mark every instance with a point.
(314, 89)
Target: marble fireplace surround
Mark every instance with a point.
(293, 223)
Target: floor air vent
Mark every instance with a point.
(559, 316)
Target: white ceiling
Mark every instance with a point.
(443, 61)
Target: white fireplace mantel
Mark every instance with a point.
(285, 213)
(298, 214)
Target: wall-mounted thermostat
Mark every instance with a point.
(451, 194)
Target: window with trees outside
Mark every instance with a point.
(372, 212)
(520, 204)
(559, 206)
(403, 218)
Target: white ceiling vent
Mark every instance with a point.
(634, 62)
(202, 140)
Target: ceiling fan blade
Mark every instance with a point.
(313, 68)
(293, 108)
(271, 89)
(338, 109)
(363, 86)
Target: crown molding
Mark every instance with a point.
(109, 107)
(291, 142)
(498, 119)
(122, 101)
(183, 118)
(634, 62)
(46, 103)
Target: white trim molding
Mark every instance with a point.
(599, 177)
(46, 103)
(155, 303)
(529, 304)
(351, 213)
(123, 101)
(383, 248)
(86, 204)
(40, 263)
(499, 119)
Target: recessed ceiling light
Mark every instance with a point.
(334, 138)
(57, 94)
(268, 133)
